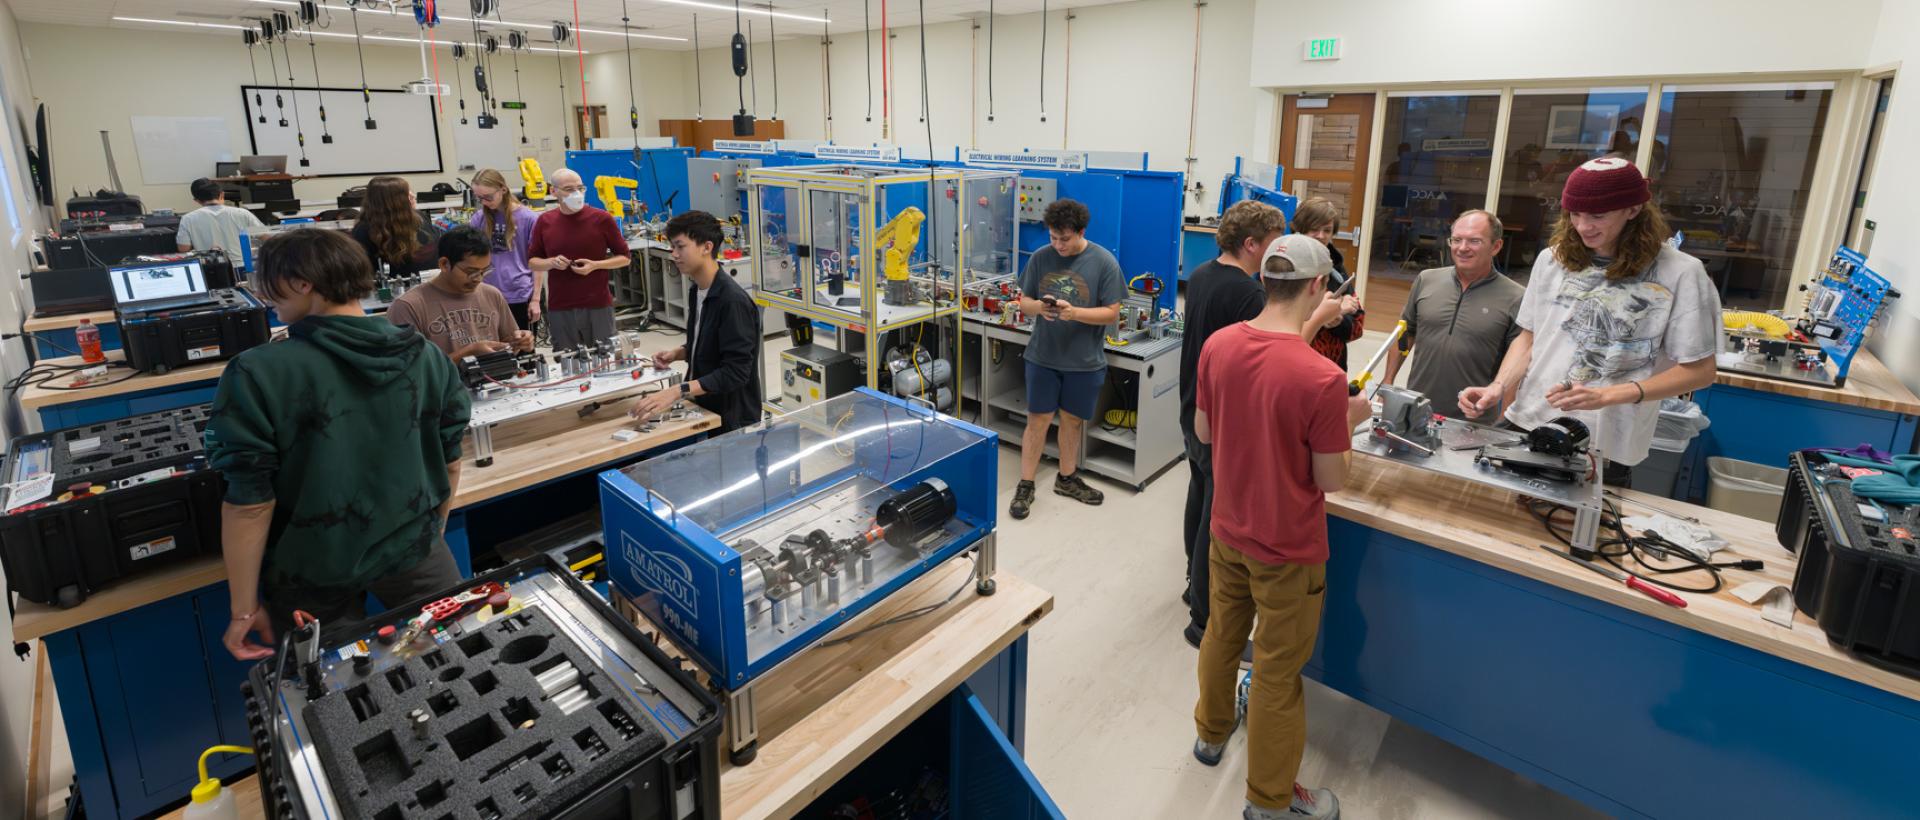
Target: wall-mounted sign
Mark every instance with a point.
(1033, 160)
(743, 146)
(875, 153)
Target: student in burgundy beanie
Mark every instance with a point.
(1614, 320)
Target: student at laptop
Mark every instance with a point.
(214, 224)
(390, 229)
(458, 311)
(340, 448)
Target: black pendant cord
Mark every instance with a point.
(699, 89)
(740, 82)
(519, 45)
(359, 50)
(756, 74)
(313, 53)
(460, 88)
(1043, 60)
(826, 44)
(293, 88)
(273, 68)
(926, 116)
(633, 105)
(560, 35)
(251, 37)
(772, 47)
(479, 62)
(866, 18)
(990, 17)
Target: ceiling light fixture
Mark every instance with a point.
(487, 21)
(747, 10)
(406, 40)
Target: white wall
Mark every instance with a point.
(16, 677)
(1395, 41)
(203, 71)
(1126, 88)
(1893, 200)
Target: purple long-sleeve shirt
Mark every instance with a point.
(510, 271)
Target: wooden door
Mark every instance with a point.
(1325, 143)
(588, 122)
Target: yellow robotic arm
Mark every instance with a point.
(536, 182)
(608, 188)
(898, 238)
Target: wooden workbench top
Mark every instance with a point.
(1869, 384)
(119, 383)
(1483, 524)
(525, 454)
(41, 324)
(828, 711)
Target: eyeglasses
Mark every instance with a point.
(1466, 242)
(572, 189)
(474, 274)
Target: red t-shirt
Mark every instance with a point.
(1271, 402)
(591, 234)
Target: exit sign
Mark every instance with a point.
(1326, 48)
(513, 106)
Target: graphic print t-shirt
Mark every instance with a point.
(1591, 331)
(1090, 278)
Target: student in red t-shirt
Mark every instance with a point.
(1280, 424)
(578, 244)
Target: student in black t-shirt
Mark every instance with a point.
(1219, 293)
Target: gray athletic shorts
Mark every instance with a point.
(572, 328)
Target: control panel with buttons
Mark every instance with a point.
(1033, 197)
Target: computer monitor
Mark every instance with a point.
(264, 164)
(223, 170)
(159, 285)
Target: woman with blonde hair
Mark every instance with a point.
(1615, 319)
(390, 229)
(509, 226)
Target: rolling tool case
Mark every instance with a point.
(87, 506)
(1859, 563)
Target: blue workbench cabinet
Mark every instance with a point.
(1766, 428)
(162, 688)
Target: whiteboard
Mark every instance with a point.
(627, 143)
(177, 150)
(406, 141)
(475, 148)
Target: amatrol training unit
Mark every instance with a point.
(751, 547)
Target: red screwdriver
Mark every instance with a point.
(1633, 582)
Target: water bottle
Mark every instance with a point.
(89, 338)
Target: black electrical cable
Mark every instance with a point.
(910, 614)
(740, 82)
(633, 113)
(273, 77)
(1640, 549)
(359, 50)
(1043, 60)
(773, 49)
(924, 104)
(826, 45)
(756, 74)
(560, 35)
(251, 37)
(460, 88)
(990, 18)
(308, 14)
(866, 17)
(293, 89)
(518, 42)
(699, 92)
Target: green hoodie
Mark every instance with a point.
(349, 426)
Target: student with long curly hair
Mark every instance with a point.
(390, 229)
(1614, 320)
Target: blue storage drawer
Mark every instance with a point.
(954, 760)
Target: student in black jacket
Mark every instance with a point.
(723, 332)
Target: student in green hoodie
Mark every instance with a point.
(340, 447)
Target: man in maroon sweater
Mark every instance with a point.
(577, 244)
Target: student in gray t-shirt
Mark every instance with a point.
(1461, 317)
(215, 224)
(1073, 289)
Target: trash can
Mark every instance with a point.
(1680, 421)
(1745, 488)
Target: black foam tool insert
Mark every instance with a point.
(495, 745)
(127, 447)
(1891, 539)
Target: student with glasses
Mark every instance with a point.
(1461, 316)
(458, 311)
(575, 245)
(508, 225)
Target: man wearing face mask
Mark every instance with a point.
(578, 244)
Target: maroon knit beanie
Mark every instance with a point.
(1602, 185)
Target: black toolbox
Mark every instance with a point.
(1859, 564)
(520, 693)
(87, 506)
(160, 341)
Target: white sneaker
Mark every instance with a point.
(1314, 803)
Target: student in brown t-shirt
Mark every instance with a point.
(458, 311)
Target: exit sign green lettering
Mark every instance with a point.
(513, 106)
(1325, 48)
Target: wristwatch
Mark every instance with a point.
(686, 388)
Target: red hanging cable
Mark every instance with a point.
(582, 55)
(433, 47)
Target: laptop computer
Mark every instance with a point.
(263, 164)
(159, 286)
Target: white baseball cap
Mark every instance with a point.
(1310, 258)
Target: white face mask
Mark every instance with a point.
(575, 201)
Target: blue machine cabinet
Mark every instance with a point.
(1765, 428)
(661, 172)
(1629, 714)
(751, 546)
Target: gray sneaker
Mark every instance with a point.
(1022, 500)
(1319, 804)
(1072, 486)
(1208, 753)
